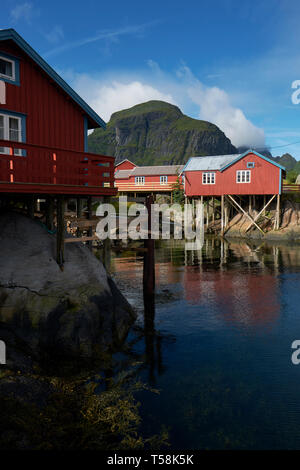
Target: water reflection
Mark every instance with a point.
(216, 342)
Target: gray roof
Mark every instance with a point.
(210, 163)
(123, 174)
(150, 171)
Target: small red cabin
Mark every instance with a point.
(125, 165)
(146, 179)
(43, 129)
(249, 173)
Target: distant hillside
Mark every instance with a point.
(287, 161)
(158, 133)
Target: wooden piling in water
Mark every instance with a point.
(149, 264)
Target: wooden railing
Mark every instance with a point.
(290, 188)
(30, 164)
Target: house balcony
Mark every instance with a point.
(35, 169)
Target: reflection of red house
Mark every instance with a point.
(242, 299)
(145, 179)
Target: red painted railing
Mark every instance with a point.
(29, 164)
(290, 188)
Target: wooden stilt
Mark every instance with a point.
(50, 213)
(225, 214)
(106, 247)
(207, 214)
(30, 206)
(234, 202)
(89, 216)
(213, 210)
(149, 264)
(277, 219)
(259, 214)
(222, 214)
(78, 213)
(60, 233)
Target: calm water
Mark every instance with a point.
(218, 346)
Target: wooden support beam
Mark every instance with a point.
(233, 201)
(277, 217)
(50, 213)
(30, 205)
(149, 263)
(106, 259)
(260, 213)
(222, 214)
(60, 233)
(78, 213)
(88, 216)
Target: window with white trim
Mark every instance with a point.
(7, 68)
(243, 176)
(10, 129)
(163, 180)
(140, 180)
(208, 178)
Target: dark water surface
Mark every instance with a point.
(219, 344)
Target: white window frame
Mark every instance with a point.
(13, 69)
(140, 180)
(5, 150)
(208, 177)
(244, 176)
(163, 180)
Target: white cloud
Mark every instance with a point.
(108, 34)
(22, 11)
(107, 98)
(108, 95)
(215, 107)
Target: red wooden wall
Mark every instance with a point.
(53, 118)
(265, 179)
(152, 183)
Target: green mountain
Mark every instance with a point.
(287, 161)
(158, 133)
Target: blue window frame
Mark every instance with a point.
(12, 127)
(9, 69)
(163, 180)
(250, 164)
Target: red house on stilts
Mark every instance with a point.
(43, 134)
(235, 179)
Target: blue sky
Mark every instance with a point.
(229, 62)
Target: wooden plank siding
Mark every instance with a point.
(52, 117)
(152, 184)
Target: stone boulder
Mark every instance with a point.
(77, 312)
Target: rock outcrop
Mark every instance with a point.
(77, 312)
(158, 133)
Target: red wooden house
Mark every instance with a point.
(250, 176)
(130, 178)
(249, 173)
(43, 129)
